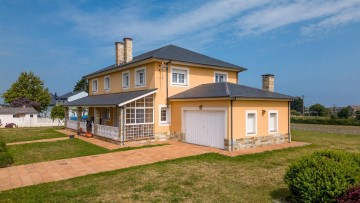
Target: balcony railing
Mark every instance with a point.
(71, 124)
(108, 132)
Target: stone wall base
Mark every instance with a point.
(259, 141)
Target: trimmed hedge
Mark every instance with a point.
(6, 158)
(323, 176)
(325, 121)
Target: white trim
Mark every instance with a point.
(108, 76)
(168, 115)
(136, 98)
(246, 122)
(136, 82)
(277, 121)
(187, 76)
(122, 79)
(183, 109)
(92, 85)
(221, 73)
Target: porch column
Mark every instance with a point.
(120, 113)
(79, 117)
(66, 109)
(96, 119)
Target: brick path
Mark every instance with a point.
(31, 174)
(43, 140)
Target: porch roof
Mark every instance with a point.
(115, 99)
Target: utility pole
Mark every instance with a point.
(303, 105)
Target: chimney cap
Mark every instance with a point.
(268, 75)
(119, 42)
(127, 38)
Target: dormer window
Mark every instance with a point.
(220, 77)
(107, 83)
(140, 77)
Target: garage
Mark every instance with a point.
(205, 127)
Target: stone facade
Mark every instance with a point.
(259, 141)
(128, 56)
(119, 53)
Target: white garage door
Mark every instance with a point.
(205, 127)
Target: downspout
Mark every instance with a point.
(123, 125)
(167, 84)
(289, 128)
(231, 126)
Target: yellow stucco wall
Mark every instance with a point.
(240, 108)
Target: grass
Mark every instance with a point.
(204, 178)
(9, 135)
(48, 151)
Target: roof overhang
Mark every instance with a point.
(229, 98)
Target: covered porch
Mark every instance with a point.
(118, 117)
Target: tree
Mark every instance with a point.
(357, 115)
(23, 101)
(29, 86)
(344, 113)
(57, 112)
(297, 104)
(319, 109)
(81, 85)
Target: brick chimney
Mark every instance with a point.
(128, 56)
(119, 53)
(268, 82)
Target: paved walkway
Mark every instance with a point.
(43, 140)
(32, 174)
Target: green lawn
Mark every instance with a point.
(204, 178)
(9, 135)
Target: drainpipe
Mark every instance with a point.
(167, 84)
(289, 129)
(123, 125)
(231, 125)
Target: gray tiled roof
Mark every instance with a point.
(172, 52)
(108, 99)
(17, 110)
(226, 89)
(67, 95)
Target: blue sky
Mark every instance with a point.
(313, 47)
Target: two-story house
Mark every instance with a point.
(175, 93)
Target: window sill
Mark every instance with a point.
(164, 124)
(251, 134)
(179, 85)
(138, 86)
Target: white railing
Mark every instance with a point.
(92, 128)
(108, 132)
(71, 124)
(83, 126)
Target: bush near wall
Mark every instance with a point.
(323, 176)
(325, 121)
(6, 158)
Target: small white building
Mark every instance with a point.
(69, 97)
(24, 117)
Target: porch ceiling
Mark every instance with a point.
(115, 99)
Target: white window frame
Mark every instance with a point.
(168, 115)
(144, 108)
(105, 88)
(246, 122)
(137, 84)
(122, 79)
(277, 121)
(186, 78)
(221, 73)
(92, 85)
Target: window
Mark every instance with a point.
(179, 76)
(251, 123)
(273, 121)
(164, 114)
(220, 77)
(95, 85)
(126, 79)
(140, 111)
(140, 77)
(107, 114)
(107, 83)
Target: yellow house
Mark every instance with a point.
(175, 93)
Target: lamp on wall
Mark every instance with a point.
(263, 111)
(200, 107)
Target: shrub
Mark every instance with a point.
(323, 176)
(5, 159)
(351, 196)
